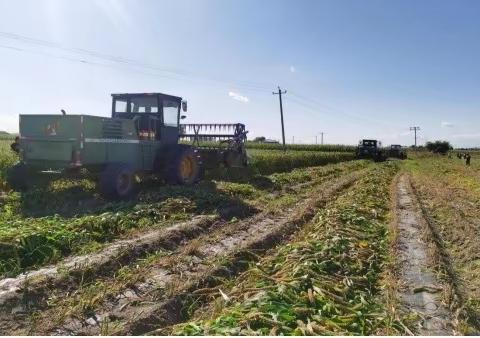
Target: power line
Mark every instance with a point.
(338, 111)
(247, 85)
(119, 67)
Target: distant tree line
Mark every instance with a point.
(439, 147)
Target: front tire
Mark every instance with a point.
(184, 166)
(118, 181)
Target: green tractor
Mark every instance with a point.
(397, 151)
(370, 149)
(142, 137)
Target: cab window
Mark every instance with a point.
(144, 104)
(170, 113)
(121, 106)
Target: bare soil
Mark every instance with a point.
(420, 291)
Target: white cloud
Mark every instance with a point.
(238, 97)
(292, 69)
(446, 124)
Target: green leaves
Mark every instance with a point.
(41, 240)
(271, 161)
(324, 282)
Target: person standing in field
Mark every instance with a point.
(467, 159)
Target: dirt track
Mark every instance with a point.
(420, 291)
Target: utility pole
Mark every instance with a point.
(316, 138)
(279, 93)
(415, 131)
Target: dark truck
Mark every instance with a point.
(141, 137)
(370, 149)
(397, 151)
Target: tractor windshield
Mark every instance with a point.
(126, 106)
(144, 104)
(369, 143)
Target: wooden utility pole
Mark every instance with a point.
(279, 93)
(415, 131)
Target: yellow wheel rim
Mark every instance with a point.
(186, 168)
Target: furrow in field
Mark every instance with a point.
(159, 298)
(73, 270)
(455, 253)
(325, 281)
(108, 260)
(58, 282)
(420, 291)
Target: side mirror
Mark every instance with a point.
(183, 117)
(184, 106)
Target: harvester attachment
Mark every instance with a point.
(218, 143)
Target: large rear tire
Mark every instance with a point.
(118, 181)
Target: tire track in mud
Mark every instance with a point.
(456, 296)
(222, 253)
(420, 291)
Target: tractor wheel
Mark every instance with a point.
(17, 177)
(118, 181)
(184, 166)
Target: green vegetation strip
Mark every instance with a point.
(289, 147)
(326, 281)
(7, 159)
(271, 161)
(302, 147)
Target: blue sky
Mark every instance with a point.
(352, 69)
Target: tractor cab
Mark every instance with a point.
(156, 115)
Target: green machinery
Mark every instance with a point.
(397, 151)
(370, 149)
(143, 137)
